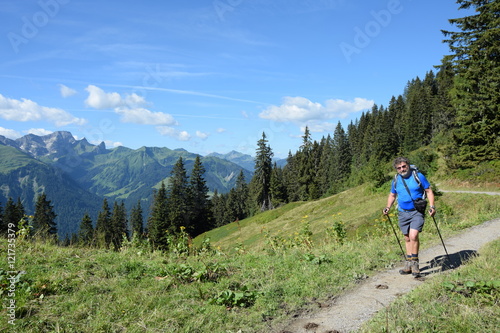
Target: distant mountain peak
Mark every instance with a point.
(243, 160)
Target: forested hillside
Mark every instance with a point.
(449, 115)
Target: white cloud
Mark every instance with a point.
(301, 110)
(144, 116)
(66, 91)
(113, 144)
(129, 107)
(202, 135)
(27, 110)
(173, 133)
(318, 127)
(221, 130)
(9, 133)
(39, 131)
(99, 99)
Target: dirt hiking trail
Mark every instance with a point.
(351, 309)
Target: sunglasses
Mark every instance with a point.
(402, 167)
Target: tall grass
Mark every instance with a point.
(256, 276)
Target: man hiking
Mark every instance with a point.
(410, 187)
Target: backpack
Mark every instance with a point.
(414, 172)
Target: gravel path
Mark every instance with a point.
(350, 310)
(472, 192)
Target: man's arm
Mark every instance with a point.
(430, 195)
(390, 200)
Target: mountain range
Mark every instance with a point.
(76, 175)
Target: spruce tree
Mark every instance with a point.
(444, 117)
(395, 113)
(118, 225)
(313, 190)
(13, 213)
(341, 159)
(326, 165)
(86, 231)
(137, 221)
(261, 180)
(158, 223)
(277, 187)
(370, 135)
(242, 196)
(305, 166)
(291, 178)
(178, 199)
(44, 224)
(476, 94)
(231, 207)
(104, 227)
(199, 203)
(218, 209)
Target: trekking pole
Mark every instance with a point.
(439, 233)
(396, 235)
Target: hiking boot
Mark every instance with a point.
(407, 269)
(415, 270)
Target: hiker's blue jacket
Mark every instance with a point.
(404, 200)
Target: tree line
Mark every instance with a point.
(454, 109)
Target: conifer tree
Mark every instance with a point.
(313, 190)
(277, 187)
(476, 95)
(158, 223)
(341, 159)
(305, 166)
(199, 203)
(104, 227)
(356, 133)
(395, 113)
(370, 135)
(178, 199)
(137, 221)
(13, 213)
(86, 231)
(237, 201)
(231, 207)
(44, 224)
(291, 178)
(261, 180)
(326, 165)
(444, 116)
(242, 196)
(218, 209)
(119, 225)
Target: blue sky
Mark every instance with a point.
(209, 75)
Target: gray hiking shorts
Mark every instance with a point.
(410, 220)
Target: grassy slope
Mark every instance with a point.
(354, 207)
(283, 268)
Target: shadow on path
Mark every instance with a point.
(443, 262)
